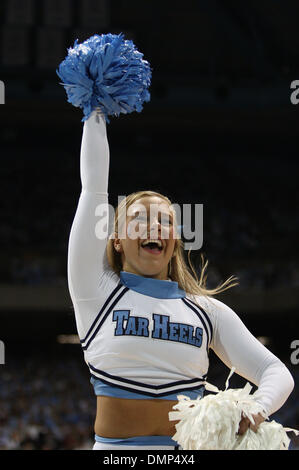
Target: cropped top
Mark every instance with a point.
(149, 341)
(146, 338)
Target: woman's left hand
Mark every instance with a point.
(245, 423)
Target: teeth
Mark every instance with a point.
(146, 242)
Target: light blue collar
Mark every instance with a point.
(152, 287)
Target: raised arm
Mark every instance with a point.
(107, 71)
(237, 347)
(86, 250)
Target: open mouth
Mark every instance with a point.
(152, 246)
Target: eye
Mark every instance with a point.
(166, 220)
(141, 218)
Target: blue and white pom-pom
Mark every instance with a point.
(212, 422)
(107, 72)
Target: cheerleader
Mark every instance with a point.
(146, 324)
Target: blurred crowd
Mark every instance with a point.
(47, 402)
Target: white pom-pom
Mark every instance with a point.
(212, 422)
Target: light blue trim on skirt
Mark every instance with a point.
(138, 441)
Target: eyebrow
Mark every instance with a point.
(161, 214)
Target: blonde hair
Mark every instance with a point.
(185, 276)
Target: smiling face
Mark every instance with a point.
(148, 241)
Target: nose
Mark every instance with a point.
(154, 228)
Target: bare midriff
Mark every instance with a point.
(123, 418)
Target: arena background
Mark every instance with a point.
(220, 130)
